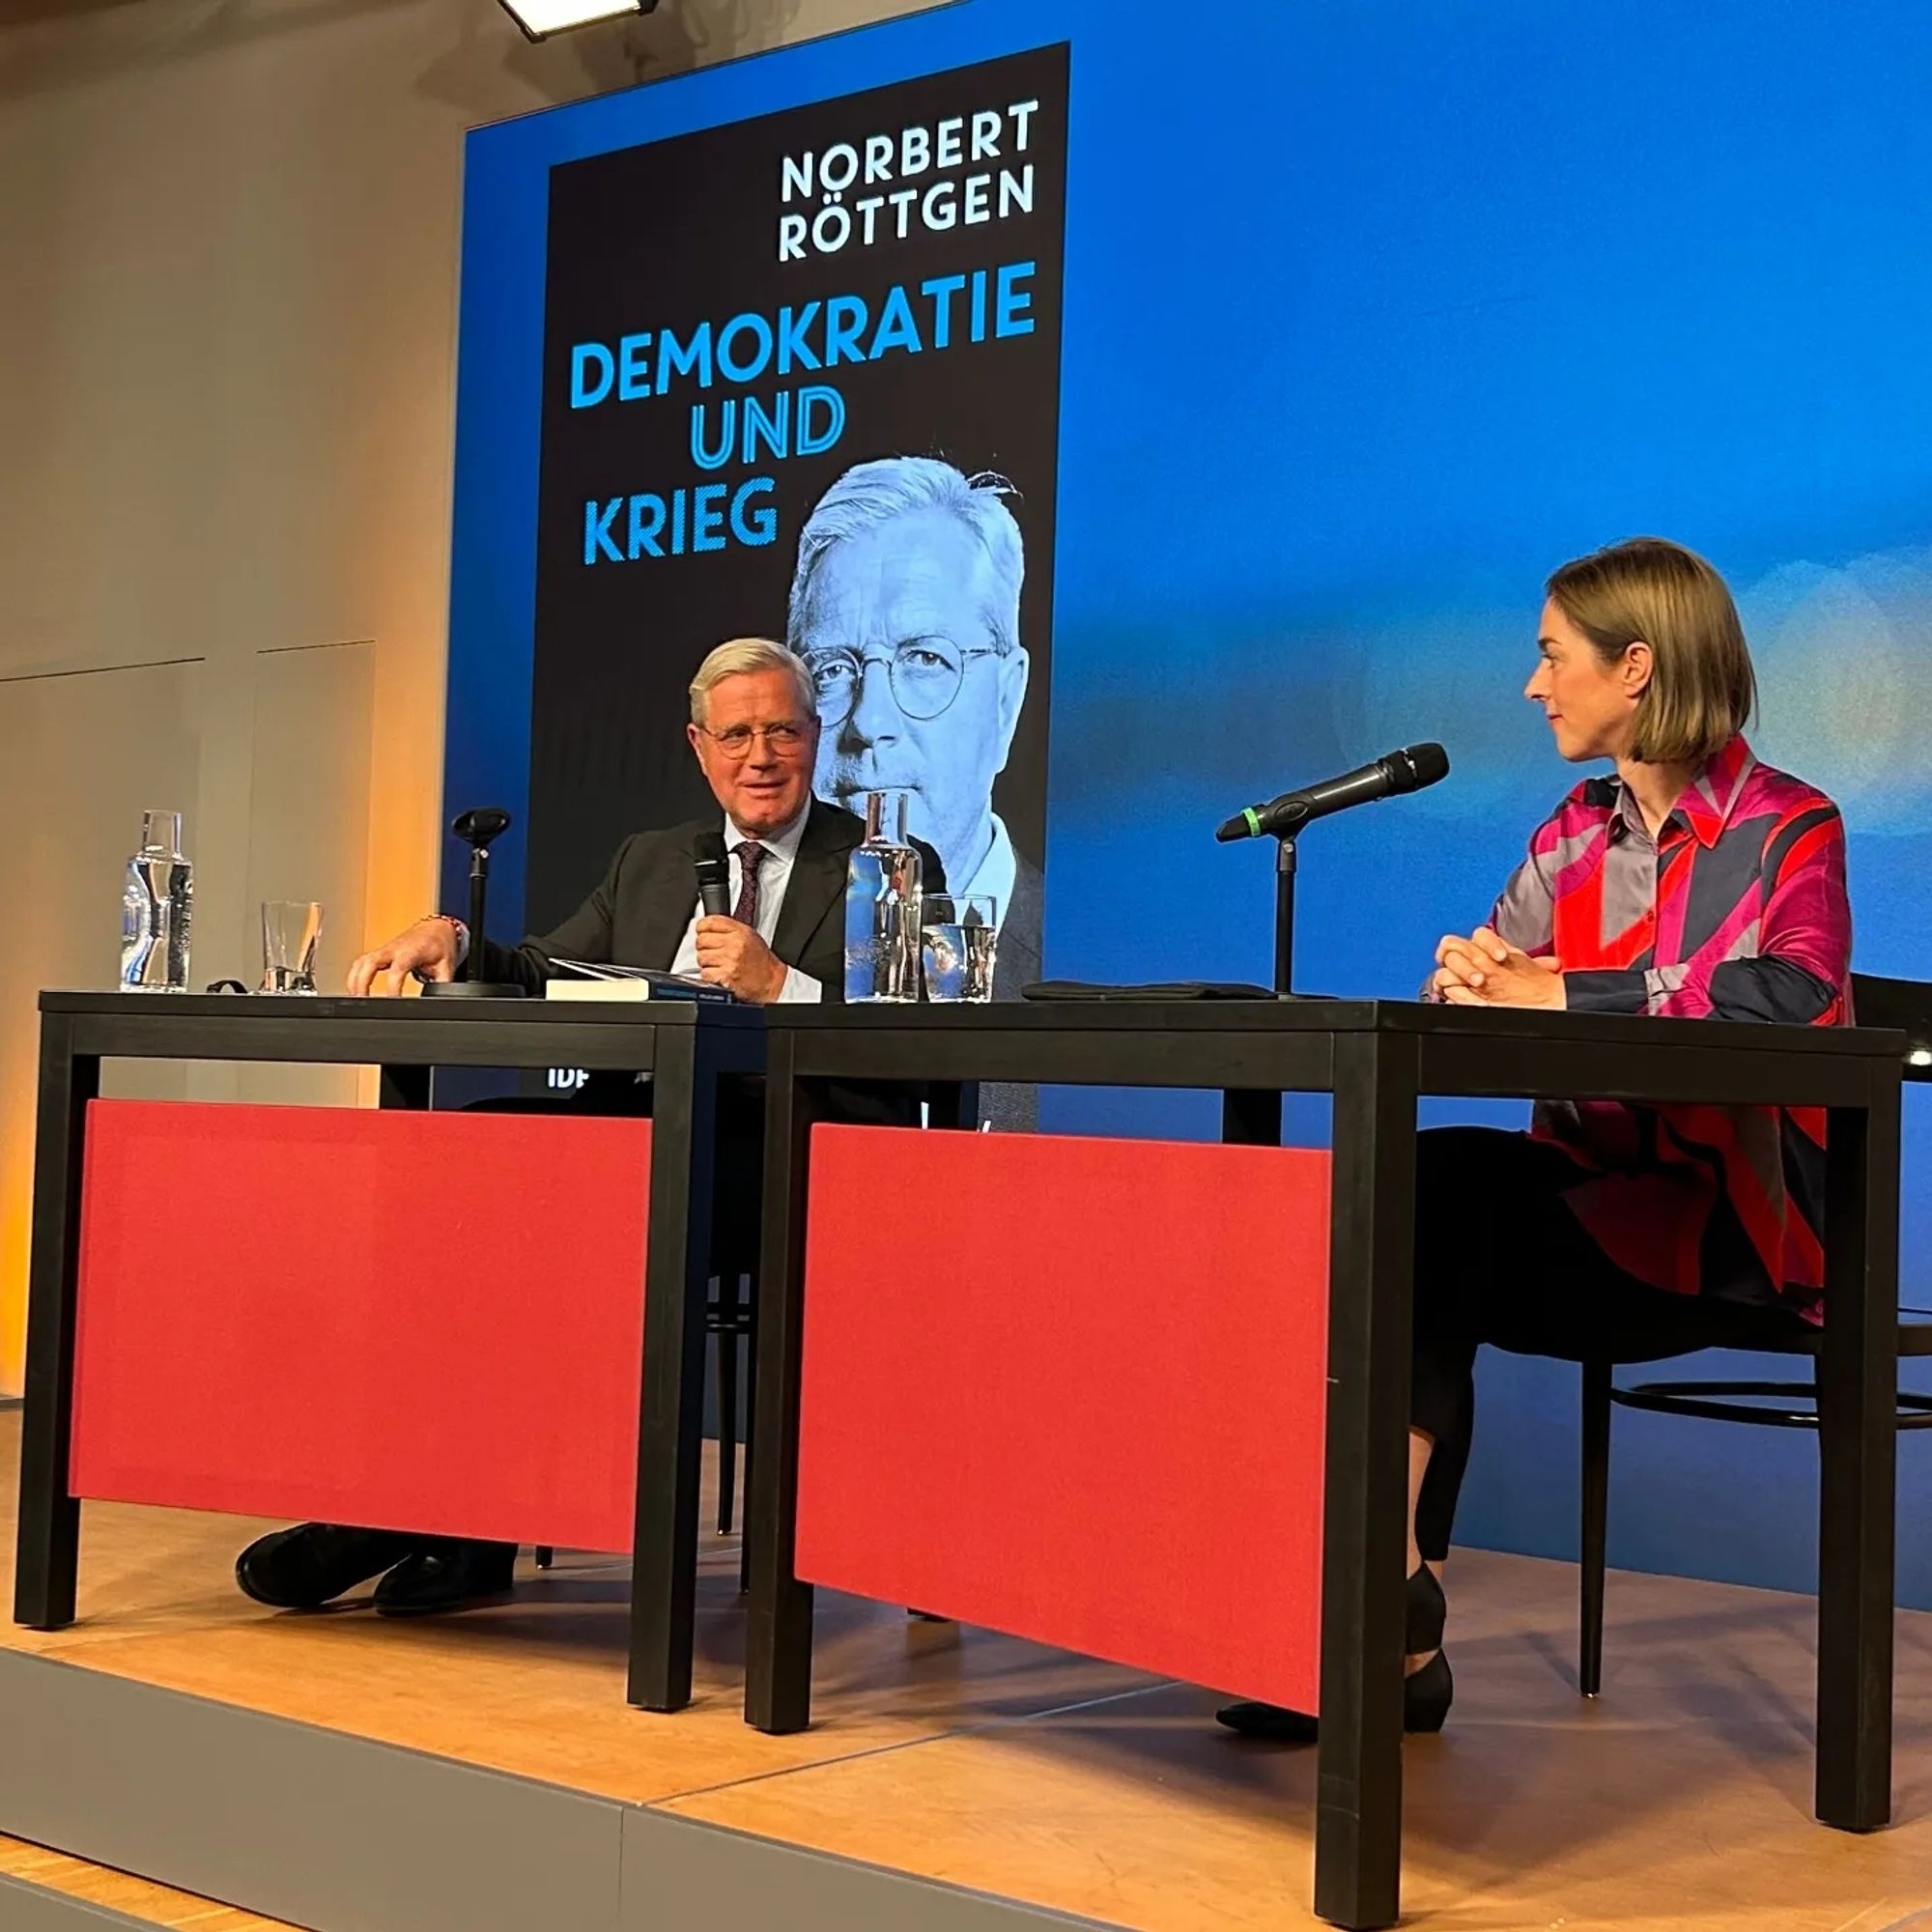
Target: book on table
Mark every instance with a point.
(594, 980)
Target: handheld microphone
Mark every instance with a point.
(1406, 770)
(714, 875)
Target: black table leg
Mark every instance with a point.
(48, 1546)
(1364, 1544)
(403, 1086)
(1858, 1376)
(954, 1105)
(778, 1657)
(1593, 1525)
(670, 1424)
(1250, 1118)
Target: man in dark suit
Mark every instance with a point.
(754, 732)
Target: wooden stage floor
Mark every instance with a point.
(1681, 1800)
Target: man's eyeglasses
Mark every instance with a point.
(926, 674)
(787, 739)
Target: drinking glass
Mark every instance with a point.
(959, 934)
(290, 930)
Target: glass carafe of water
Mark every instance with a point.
(882, 906)
(157, 902)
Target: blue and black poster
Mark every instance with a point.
(802, 380)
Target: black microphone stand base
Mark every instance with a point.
(471, 989)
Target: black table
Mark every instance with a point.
(687, 1047)
(1375, 1057)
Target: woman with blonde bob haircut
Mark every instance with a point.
(1701, 691)
(1691, 881)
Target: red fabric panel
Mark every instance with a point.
(1074, 1389)
(410, 1321)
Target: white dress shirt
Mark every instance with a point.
(774, 876)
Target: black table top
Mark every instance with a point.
(1895, 1015)
(329, 1030)
(1394, 1017)
(1257, 1044)
(1327, 1046)
(306, 1008)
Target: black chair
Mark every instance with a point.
(730, 1317)
(1904, 1004)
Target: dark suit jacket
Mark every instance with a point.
(638, 912)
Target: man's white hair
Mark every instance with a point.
(751, 654)
(871, 493)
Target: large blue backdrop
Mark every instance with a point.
(1373, 313)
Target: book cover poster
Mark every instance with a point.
(801, 381)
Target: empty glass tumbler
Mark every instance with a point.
(958, 936)
(291, 932)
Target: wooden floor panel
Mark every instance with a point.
(1680, 1801)
(535, 1685)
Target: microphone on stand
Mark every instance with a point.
(1410, 768)
(1406, 770)
(476, 827)
(714, 875)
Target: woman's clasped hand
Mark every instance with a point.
(1486, 971)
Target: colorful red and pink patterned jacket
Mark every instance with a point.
(1736, 912)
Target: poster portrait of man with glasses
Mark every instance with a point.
(905, 607)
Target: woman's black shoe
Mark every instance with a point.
(1426, 1694)
(301, 1569)
(1426, 1698)
(1428, 1610)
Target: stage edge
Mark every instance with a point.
(324, 1831)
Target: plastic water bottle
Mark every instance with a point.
(155, 909)
(882, 905)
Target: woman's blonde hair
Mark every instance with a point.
(751, 654)
(1702, 689)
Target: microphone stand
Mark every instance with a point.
(1284, 914)
(1282, 818)
(479, 882)
(469, 984)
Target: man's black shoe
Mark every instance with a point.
(301, 1569)
(444, 1574)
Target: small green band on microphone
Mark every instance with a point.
(1254, 822)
